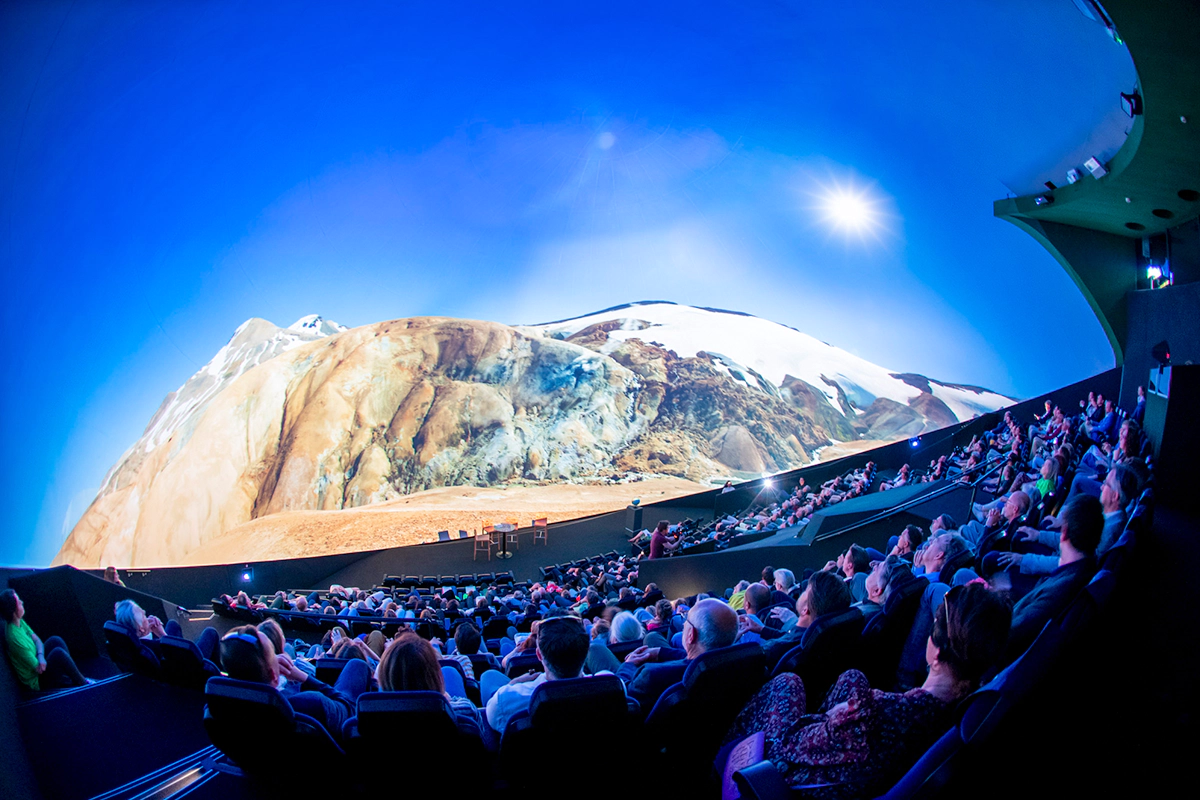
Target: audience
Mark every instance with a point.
(864, 738)
(580, 614)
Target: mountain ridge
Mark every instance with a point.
(316, 416)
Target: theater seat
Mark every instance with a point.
(521, 664)
(691, 718)
(258, 729)
(548, 733)
(183, 664)
(830, 646)
(884, 634)
(129, 653)
(419, 727)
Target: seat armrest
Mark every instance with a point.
(761, 781)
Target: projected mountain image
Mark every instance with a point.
(284, 422)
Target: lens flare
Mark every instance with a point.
(850, 210)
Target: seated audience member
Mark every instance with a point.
(110, 575)
(891, 572)
(660, 544)
(1016, 506)
(562, 647)
(945, 555)
(1104, 431)
(911, 538)
(150, 629)
(409, 664)
(624, 627)
(248, 655)
(467, 642)
(825, 593)
(758, 599)
(1082, 523)
(658, 630)
(1139, 410)
(863, 737)
(785, 587)
(737, 598)
(1118, 489)
(38, 665)
(649, 671)
(855, 564)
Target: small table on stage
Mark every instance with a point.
(504, 528)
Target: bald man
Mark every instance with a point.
(650, 671)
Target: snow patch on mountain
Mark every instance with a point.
(255, 342)
(751, 347)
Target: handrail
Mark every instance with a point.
(993, 463)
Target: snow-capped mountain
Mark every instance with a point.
(255, 341)
(750, 349)
(318, 417)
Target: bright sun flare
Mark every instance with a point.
(849, 210)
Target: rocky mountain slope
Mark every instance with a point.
(316, 417)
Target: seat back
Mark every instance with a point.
(258, 729)
(496, 628)
(388, 716)
(130, 653)
(884, 634)
(519, 665)
(480, 663)
(981, 712)
(830, 646)
(691, 718)
(548, 733)
(622, 649)
(183, 664)
(423, 727)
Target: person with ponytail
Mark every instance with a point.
(862, 739)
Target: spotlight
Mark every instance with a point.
(1131, 103)
(1161, 353)
(914, 441)
(767, 483)
(1095, 167)
(1153, 272)
(1044, 199)
(247, 574)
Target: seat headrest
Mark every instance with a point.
(725, 662)
(977, 713)
(179, 643)
(114, 627)
(566, 702)
(382, 713)
(834, 619)
(221, 691)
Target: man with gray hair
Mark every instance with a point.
(785, 587)
(650, 671)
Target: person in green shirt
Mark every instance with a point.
(38, 665)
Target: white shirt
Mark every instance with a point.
(510, 700)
